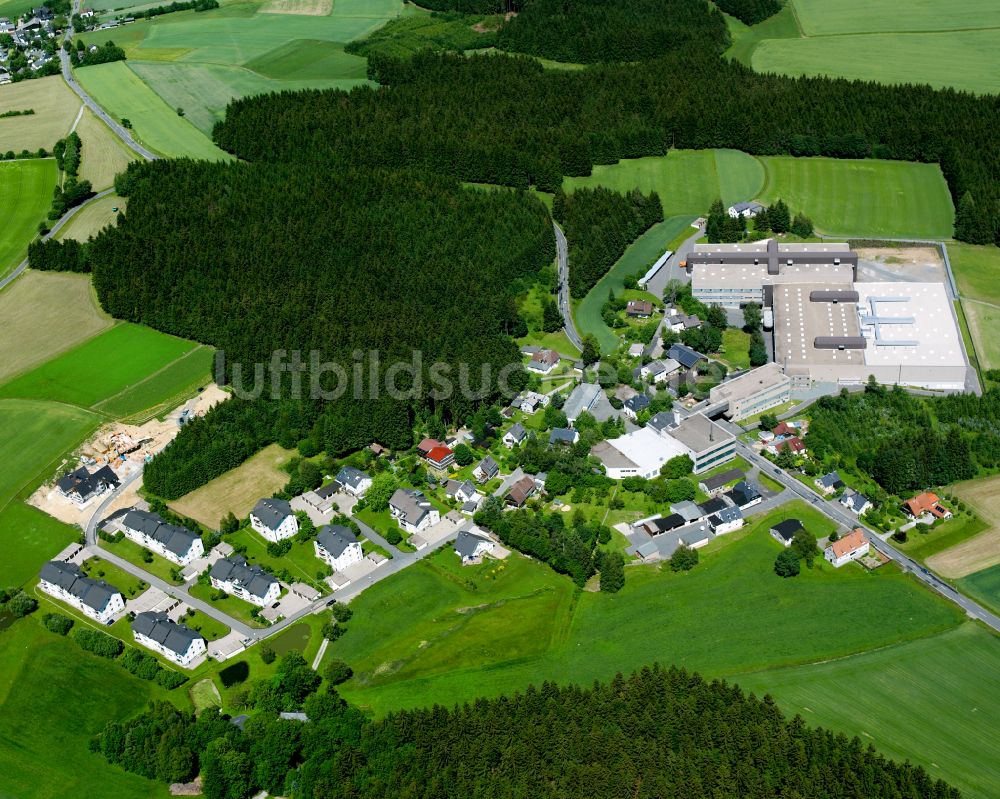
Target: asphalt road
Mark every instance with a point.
(839, 515)
(562, 255)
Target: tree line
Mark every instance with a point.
(600, 224)
(509, 121)
(659, 732)
(749, 12)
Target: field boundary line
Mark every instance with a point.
(32, 367)
(96, 406)
(79, 116)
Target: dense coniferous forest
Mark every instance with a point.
(599, 225)
(256, 259)
(659, 733)
(749, 12)
(509, 121)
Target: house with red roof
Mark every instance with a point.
(926, 503)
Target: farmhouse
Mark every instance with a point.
(514, 436)
(177, 544)
(353, 481)
(828, 483)
(486, 470)
(250, 583)
(337, 546)
(746, 210)
(94, 598)
(639, 309)
(412, 511)
(726, 520)
(783, 532)
(753, 392)
(81, 486)
(581, 400)
(926, 503)
(470, 547)
(852, 546)
(856, 502)
(543, 361)
(176, 642)
(274, 519)
(520, 492)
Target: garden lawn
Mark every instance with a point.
(921, 545)
(108, 364)
(25, 195)
(557, 341)
(301, 559)
(688, 181)
(44, 314)
(861, 198)
(640, 255)
(211, 629)
(132, 552)
(54, 698)
(92, 218)
(231, 606)
(121, 92)
(53, 102)
(930, 701)
(735, 348)
(100, 569)
(238, 489)
(440, 633)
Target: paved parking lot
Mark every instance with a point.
(290, 604)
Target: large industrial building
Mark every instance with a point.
(830, 327)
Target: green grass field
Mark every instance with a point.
(120, 91)
(92, 218)
(931, 701)
(25, 195)
(104, 154)
(113, 362)
(984, 586)
(976, 269)
(53, 698)
(921, 545)
(442, 633)
(863, 198)
(55, 107)
(636, 259)
(31, 537)
(231, 606)
(929, 41)
(686, 180)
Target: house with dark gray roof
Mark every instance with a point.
(462, 490)
(274, 519)
(713, 505)
(828, 483)
(717, 483)
(515, 435)
(353, 481)
(94, 598)
(338, 547)
(486, 470)
(744, 495)
(726, 520)
(563, 435)
(633, 406)
(685, 356)
(784, 531)
(176, 642)
(250, 583)
(412, 510)
(80, 486)
(855, 502)
(177, 544)
(470, 546)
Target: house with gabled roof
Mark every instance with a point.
(926, 503)
(784, 531)
(412, 510)
(828, 483)
(852, 546)
(516, 435)
(519, 493)
(744, 495)
(176, 642)
(250, 583)
(353, 481)
(855, 502)
(461, 490)
(94, 598)
(274, 519)
(177, 544)
(486, 470)
(633, 406)
(81, 486)
(685, 356)
(543, 361)
(337, 546)
(470, 546)
(726, 520)
(563, 435)
(639, 309)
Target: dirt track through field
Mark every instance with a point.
(983, 550)
(306, 8)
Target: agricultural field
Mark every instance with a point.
(863, 197)
(637, 258)
(44, 314)
(123, 95)
(238, 489)
(688, 181)
(93, 217)
(928, 700)
(104, 154)
(199, 62)
(439, 632)
(31, 537)
(983, 586)
(46, 720)
(975, 269)
(933, 41)
(53, 102)
(25, 195)
(104, 366)
(981, 551)
(403, 37)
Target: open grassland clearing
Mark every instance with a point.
(637, 258)
(931, 700)
(45, 313)
(863, 197)
(30, 538)
(745, 38)
(55, 108)
(688, 181)
(983, 586)
(53, 698)
(93, 217)
(101, 367)
(976, 269)
(25, 196)
(104, 154)
(238, 489)
(432, 633)
(822, 18)
(981, 551)
(120, 91)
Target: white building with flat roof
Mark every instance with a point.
(756, 391)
